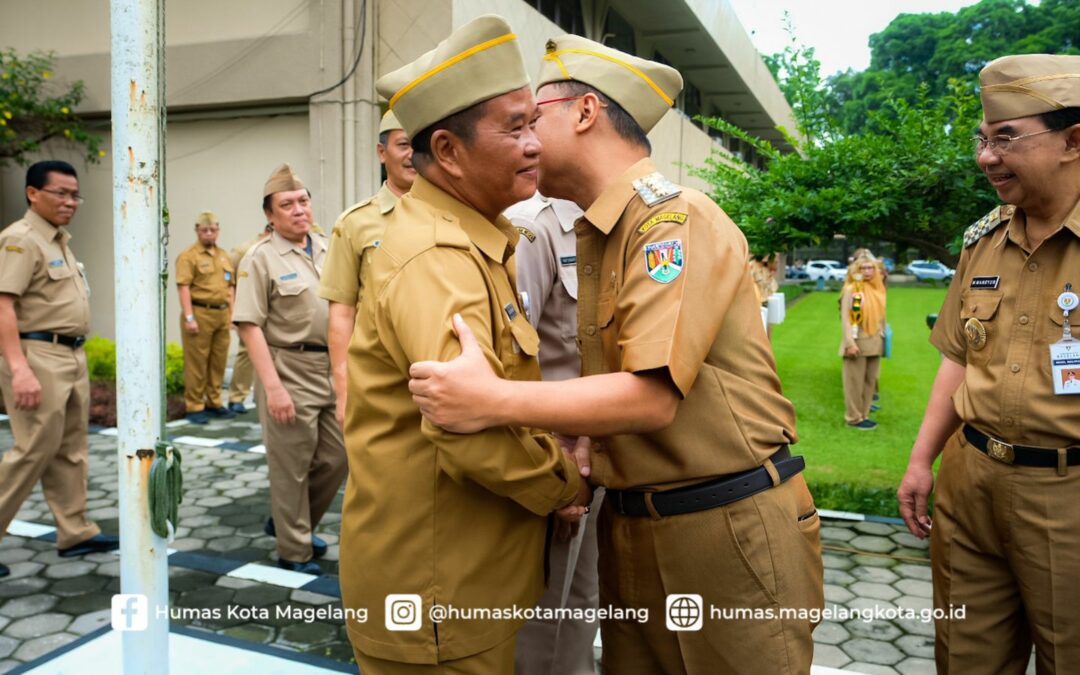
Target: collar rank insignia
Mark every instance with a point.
(985, 225)
(654, 189)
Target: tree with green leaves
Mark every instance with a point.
(34, 109)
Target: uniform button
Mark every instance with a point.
(588, 270)
(1033, 266)
(1024, 320)
(590, 330)
(1008, 421)
(1015, 367)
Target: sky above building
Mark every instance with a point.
(838, 30)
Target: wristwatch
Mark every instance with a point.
(189, 318)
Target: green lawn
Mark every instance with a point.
(846, 468)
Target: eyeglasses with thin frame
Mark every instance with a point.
(563, 98)
(64, 195)
(1001, 143)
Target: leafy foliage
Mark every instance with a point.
(101, 363)
(33, 109)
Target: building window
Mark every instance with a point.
(566, 14)
(618, 33)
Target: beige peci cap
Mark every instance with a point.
(643, 88)
(479, 61)
(389, 122)
(1029, 84)
(282, 180)
(206, 218)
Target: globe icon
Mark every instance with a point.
(684, 612)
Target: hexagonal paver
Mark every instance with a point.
(34, 626)
(830, 656)
(261, 595)
(838, 577)
(870, 668)
(872, 544)
(109, 569)
(915, 645)
(916, 603)
(880, 529)
(251, 633)
(339, 651)
(17, 586)
(188, 544)
(875, 629)
(916, 627)
(87, 602)
(214, 531)
(912, 571)
(872, 651)
(877, 575)
(32, 649)
(104, 513)
(840, 534)
(309, 633)
(309, 598)
(916, 666)
(870, 605)
(837, 594)
(836, 562)
(90, 622)
(10, 556)
(237, 493)
(28, 605)
(70, 570)
(7, 646)
(227, 543)
(830, 633)
(873, 560)
(867, 589)
(916, 587)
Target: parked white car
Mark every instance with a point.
(930, 269)
(827, 269)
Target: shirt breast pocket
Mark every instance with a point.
(59, 272)
(521, 345)
(982, 332)
(293, 301)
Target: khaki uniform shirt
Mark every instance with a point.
(547, 276)
(237, 254)
(276, 291)
(208, 271)
(1007, 390)
(356, 234)
(701, 324)
(455, 518)
(38, 268)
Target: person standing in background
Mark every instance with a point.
(862, 320)
(243, 374)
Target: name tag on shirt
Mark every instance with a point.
(568, 260)
(1065, 367)
(228, 276)
(289, 277)
(59, 262)
(987, 283)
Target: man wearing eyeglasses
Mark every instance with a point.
(207, 287)
(1005, 543)
(44, 319)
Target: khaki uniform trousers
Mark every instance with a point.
(753, 554)
(205, 354)
(243, 376)
(50, 442)
(499, 660)
(565, 647)
(1006, 547)
(861, 379)
(306, 459)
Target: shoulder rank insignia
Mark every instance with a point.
(666, 217)
(654, 188)
(526, 232)
(985, 225)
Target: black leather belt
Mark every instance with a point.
(73, 341)
(703, 496)
(1021, 455)
(207, 305)
(303, 347)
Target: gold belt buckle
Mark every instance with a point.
(1001, 451)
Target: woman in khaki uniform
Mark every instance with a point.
(862, 320)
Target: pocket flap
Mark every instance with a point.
(525, 335)
(980, 305)
(57, 272)
(605, 310)
(291, 288)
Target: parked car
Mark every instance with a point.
(796, 272)
(888, 263)
(827, 269)
(930, 269)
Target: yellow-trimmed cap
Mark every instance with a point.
(282, 180)
(643, 88)
(1029, 84)
(389, 122)
(479, 61)
(206, 218)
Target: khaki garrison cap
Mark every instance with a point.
(479, 61)
(1030, 84)
(643, 88)
(282, 180)
(206, 218)
(389, 122)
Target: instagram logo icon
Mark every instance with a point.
(403, 611)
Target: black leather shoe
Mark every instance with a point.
(221, 412)
(4, 571)
(238, 408)
(97, 544)
(309, 567)
(318, 546)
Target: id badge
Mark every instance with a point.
(1065, 367)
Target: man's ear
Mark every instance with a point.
(1072, 143)
(589, 111)
(446, 150)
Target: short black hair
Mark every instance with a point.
(1061, 119)
(268, 201)
(37, 176)
(384, 138)
(624, 124)
(462, 124)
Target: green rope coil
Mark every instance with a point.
(166, 489)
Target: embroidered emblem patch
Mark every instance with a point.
(526, 232)
(14, 249)
(667, 217)
(568, 260)
(664, 260)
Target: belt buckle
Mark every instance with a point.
(1000, 450)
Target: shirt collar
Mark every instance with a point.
(566, 212)
(609, 206)
(1016, 233)
(495, 240)
(1072, 222)
(385, 199)
(44, 228)
(283, 246)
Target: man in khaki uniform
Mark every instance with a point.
(356, 232)
(44, 319)
(206, 285)
(456, 519)
(703, 496)
(546, 257)
(1005, 543)
(283, 324)
(243, 375)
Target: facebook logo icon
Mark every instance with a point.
(130, 612)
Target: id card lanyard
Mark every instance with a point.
(1065, 353)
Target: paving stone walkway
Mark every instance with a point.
(50, 601)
